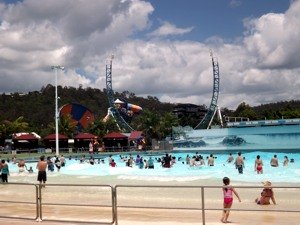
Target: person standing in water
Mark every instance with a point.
(211, 160)
(228, 192)
(21, 165)
(41, 167)
(285, 161)
(274, 161)
(258, 165)
(230, 158)
(239, 163)
(4, 171)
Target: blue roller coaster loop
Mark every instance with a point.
(205, 122)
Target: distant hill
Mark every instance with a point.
(37, 107)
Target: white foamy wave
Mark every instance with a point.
(78, 166)
(180, 171)
(297, 171)
(119, 170)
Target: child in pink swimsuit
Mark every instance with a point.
(228, 199)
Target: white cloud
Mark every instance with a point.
(168, 29)
(275, 38)
(262, 67)
(37, 34)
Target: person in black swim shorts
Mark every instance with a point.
(41, 166)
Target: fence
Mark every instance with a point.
(54, 202)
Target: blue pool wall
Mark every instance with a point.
(271, 138)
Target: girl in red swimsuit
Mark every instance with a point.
(258, 166)
(228, 199)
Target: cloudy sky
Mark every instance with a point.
(161, 48)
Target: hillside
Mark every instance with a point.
(37, 107)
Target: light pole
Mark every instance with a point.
(56, 108)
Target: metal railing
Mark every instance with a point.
(6, 200)
(42, 201)
(43, 204)
(203, 207)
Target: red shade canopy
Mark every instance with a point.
(85, 136)
(115, 135)
(135, 135)
(26, 137)
(53, 136)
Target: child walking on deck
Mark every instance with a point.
(228, 199)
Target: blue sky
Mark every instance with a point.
(161, 47)
(222, 18)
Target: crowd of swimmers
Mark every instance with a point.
(166, 161)
(197, 160)
(258, 163)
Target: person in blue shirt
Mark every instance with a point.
(4, 171)
(150, 163)
(141, 164)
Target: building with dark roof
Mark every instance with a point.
(190, 110)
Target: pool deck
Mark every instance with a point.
(287, 199)
(163, 218)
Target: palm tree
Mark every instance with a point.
(97, 127)
(166, 123)
(7, 128)
(149, 122)
(100, 128)
(67, 126)
(18, 125)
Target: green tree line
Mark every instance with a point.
(34, 112)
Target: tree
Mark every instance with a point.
(148, 122)
(4, 132)
(244, 110)
(166, 123)
(7, 128)
(189, 120)
(101, 128)
(66, 126)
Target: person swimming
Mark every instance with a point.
(30, 170)
(21, 165)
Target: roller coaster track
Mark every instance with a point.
(122, 124)
(206, 121)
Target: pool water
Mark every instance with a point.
(182, 172)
